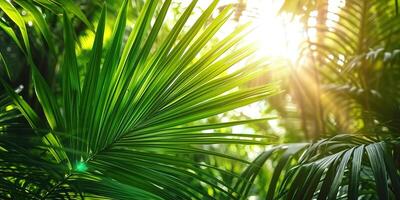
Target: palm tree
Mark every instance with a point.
(345, 85)
(124, 125)
(126, 130)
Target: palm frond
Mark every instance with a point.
(35, 10)
(348, 59)
(132, 118)
(343, 167)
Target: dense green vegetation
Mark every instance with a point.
(133, 99)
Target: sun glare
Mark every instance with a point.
(276, 35)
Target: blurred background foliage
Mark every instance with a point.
(336, 117)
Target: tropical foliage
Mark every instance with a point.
(134, 112)
(343, 85)
(122, 126)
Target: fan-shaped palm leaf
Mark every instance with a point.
(125, 124)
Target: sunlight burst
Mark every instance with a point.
(276, 34)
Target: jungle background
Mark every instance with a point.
(230, 99)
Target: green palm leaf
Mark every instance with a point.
(333, 168)
(130, 121)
